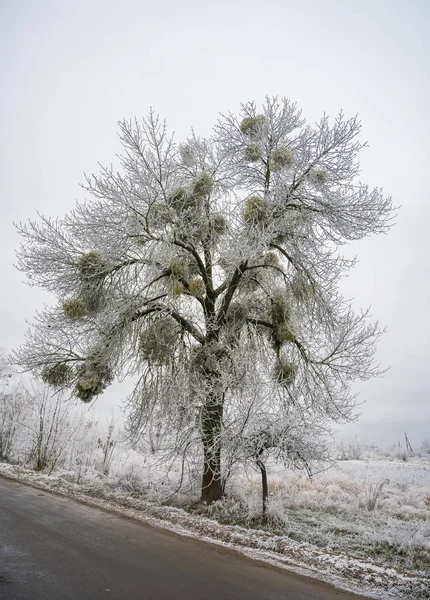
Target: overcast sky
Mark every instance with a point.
(71, 70)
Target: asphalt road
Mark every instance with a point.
(53, 548)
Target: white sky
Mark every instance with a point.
(70, 70)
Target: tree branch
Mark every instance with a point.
(185, 324)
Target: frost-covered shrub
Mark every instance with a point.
(403, 454)
(350, 449)
(425, 447)
(12, 410)
(397, 452)
(47, 428)
(130, 481)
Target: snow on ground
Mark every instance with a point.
(376, 508)
(321, 527)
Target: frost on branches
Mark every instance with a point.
(209, 272)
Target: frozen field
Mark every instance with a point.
(370, 508)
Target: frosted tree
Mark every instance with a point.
(194, 260)
(261, 422)
(6, 368)
(12, 406)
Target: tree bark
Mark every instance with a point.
(212, 488)
(265, 487)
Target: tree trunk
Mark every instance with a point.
(265, 487)
(211, 480)
(211, 437)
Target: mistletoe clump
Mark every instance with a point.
(184, 199)
(285, 372)
(179, 268)
(218, 224)
(320, 176)
(91, 293)
(58, 375)
(175, 287)
(301, 288)
(159, 215)
(75, 308)
(281, 159)
(187, 154)
(197, 287)
(257, 210)
(93, 378)
(158, 341)
(271, 259)
(251, 125)
(89, 264)
(284, 333)
(280, 309)
(203, 185)
(253, 153)
(281, 319)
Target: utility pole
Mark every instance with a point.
(408, 444)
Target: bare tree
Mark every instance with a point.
(262, 422)
(194, 258)
(48, 426)
(107, 446)
(12, 406)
